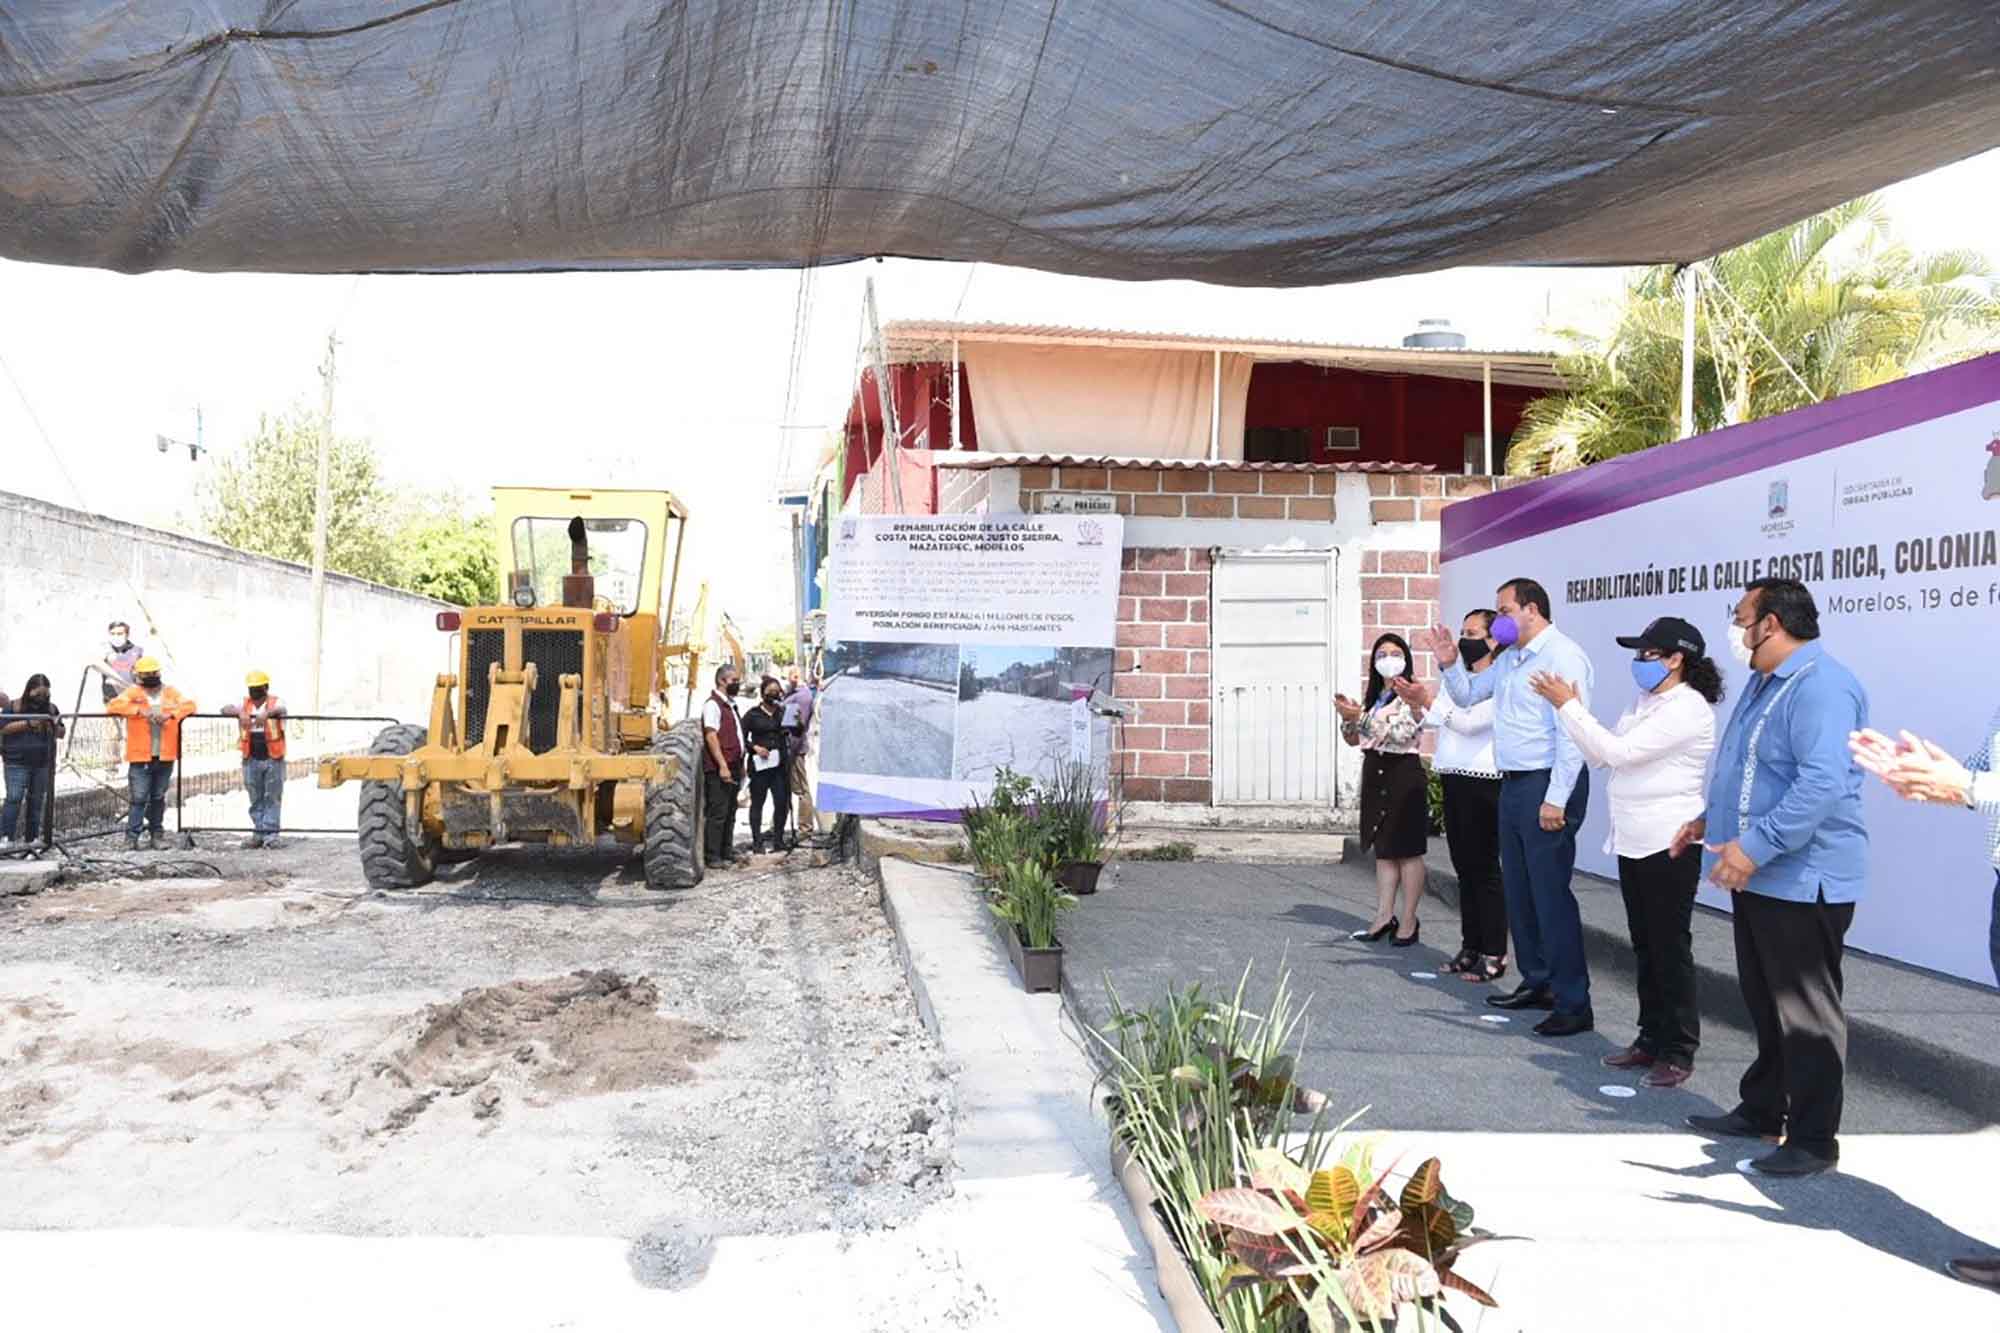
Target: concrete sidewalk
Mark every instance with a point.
(1634, 1223)
(1938, 1035)
(1034, 1172)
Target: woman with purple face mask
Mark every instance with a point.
(1658, 756)
(1395, 816)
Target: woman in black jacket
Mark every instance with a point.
(770, 745)
(28, 755)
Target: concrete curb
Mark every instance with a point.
(20, 877)
(1955, 1077)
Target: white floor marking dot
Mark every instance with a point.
(1744, 1166)
(1495, 1018)
(1618, 1090)
(1425, 976)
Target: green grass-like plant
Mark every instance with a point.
(1027, 898)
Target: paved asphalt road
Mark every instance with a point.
(1024, 733)
(1636, 1223)
(893, 728)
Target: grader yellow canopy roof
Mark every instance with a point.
(1271, 142)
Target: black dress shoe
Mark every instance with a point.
(1526, 997)
(1734, 1125)
(1370, 936)
(1565, 1025)
(1791, 1161)
(1983, 1272)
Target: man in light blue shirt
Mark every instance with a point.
(1544, 789)
(1784, 822)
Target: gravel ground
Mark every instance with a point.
(535, 1044)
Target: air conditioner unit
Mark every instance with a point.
(1343, 439)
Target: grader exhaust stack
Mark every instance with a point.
(553, 729)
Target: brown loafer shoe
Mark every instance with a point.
(1629, 1058)
(1667, 1074)
(1981, 1272)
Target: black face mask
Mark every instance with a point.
(1471, 650)
(732, 687)
(149, 682)
(770, 696)
(258, 692)
(38, 697)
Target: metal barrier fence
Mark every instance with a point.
(89, 794)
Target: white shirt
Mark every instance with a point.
(1465, 737)
(1659, 765)
(711, 714)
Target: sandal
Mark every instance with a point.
(1485, 969)
(1463, 961)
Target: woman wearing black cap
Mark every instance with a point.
(1658, 755)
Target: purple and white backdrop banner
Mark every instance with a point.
(1886, 503)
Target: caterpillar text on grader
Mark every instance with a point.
(553, 729)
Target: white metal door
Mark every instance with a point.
(1271, 673)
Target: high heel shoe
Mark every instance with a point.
(1403, 943)
(1371, 936)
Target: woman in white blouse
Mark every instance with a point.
(1659, 760)
(1464, 765)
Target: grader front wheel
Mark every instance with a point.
(673, 852)
(390, 858)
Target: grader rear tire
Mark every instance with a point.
(389, 858)
(673, 851)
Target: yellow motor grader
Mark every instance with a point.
(554, 728)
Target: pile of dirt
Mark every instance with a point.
(577, 1035)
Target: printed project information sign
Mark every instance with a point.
(960, 644)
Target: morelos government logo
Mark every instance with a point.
(1090, 533)
(1777, 509)
(1991, 491)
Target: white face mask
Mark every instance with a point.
(1739, 644)
(1390, 666)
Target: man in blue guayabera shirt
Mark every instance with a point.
(1784, 823)
(1544, 789)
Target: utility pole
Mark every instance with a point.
(322, 501)
(1690, 287)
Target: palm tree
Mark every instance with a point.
(1830, 305)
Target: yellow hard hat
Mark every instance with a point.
(257, 678)
(146, 666)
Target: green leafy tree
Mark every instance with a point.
(1828, 306)
(260, 498)
(777, 641)
(451, 556)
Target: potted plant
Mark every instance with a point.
(1026, 901)
(1073, 819)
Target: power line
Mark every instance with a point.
(76, 493)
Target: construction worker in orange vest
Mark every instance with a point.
(153, 711)
(261, 718)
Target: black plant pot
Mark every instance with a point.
(1039, 969)
(1079, 877)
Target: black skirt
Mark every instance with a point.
(1395, 816)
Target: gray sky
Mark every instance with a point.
(650, 379)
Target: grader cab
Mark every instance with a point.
(554, 727)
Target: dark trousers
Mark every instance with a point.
(718, 816)
(1472, 831)
(1659, 906)
(1993, 928)
(1535, 868)
(27, 793)
(775, 784)
(1788, 961)
(149, 782)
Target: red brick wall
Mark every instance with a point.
(1162, 667)
(1157, 492)
(1399, 584)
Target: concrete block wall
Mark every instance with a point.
(217, 612)
(1164, 492)
(1162, 667)
(963, 490)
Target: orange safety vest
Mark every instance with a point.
(274, 727)
(134, 705)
